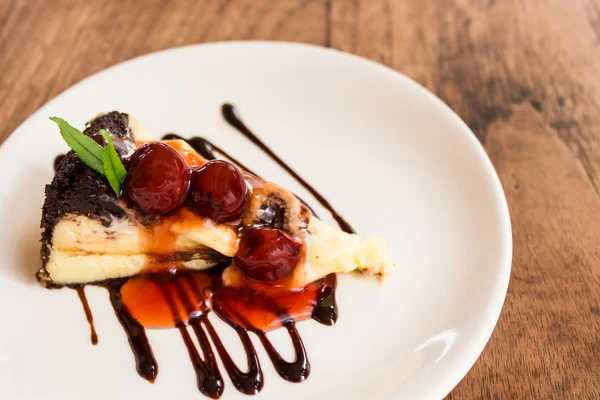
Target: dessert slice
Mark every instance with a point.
(90, 235)
(124, 204)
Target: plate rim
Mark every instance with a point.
(497, 297)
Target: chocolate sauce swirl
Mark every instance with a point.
(208, 377)
(295, 371)
(250, 382)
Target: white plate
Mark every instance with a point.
(389, 155)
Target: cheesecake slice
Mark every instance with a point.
(92, 235)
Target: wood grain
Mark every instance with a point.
(521, 73)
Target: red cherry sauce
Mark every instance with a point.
(255, 306)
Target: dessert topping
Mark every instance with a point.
(268, 254)
(218, 191)
(159, 178)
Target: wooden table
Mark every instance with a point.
(523, 74)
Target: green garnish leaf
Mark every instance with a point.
(86, 149)
(113, 168)
(104, 160)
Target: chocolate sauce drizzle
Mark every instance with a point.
(208, 376)
(231, 115)
(250, 382)
(146, 364)
(204, 362)
(209, 379)
(326, 310)
(88, 313)
(295, 371)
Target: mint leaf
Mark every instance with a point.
(113, 167)
(90, 152)
(104, 160)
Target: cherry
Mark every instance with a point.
(219, 191)
(268, 254)
(158, 178)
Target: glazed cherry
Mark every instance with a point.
(158, 178)
(268, 254)
(218, 191)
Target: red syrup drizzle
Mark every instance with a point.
(185, 298)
